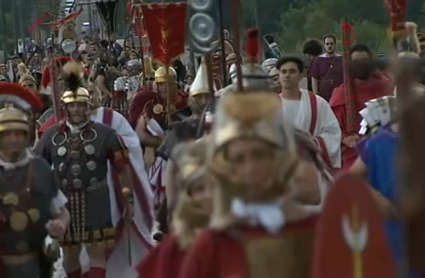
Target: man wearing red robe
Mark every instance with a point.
(367, 82)
(326, 72)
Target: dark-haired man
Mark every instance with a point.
(308, 111)
(367, 82)
(327, 69)
(312, 48)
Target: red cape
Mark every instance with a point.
(363, 91)
(164, 261)
(138, 105)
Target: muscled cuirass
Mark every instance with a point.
(80, 162)
(26, 194)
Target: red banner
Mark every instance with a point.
(38, 22)
(397, 9)
(73, 16)
(166, 27)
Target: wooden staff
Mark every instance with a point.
(167, 86)
(347, 32)
(57, 108)
(223, 52)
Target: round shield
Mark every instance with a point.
(61, 151)
(93, 181)
(91, 165)
(77, 183)
(69, 46)
(89, 149)
(201, 5)
(203, 28)
(76, 169)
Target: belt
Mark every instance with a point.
(19, 259)
(96, 186)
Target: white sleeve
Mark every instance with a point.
(58, 202)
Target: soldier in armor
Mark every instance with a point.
(79, 151)
(30, 199)
(189, 128)
(26, 79)
(257, 229)
(126, 86)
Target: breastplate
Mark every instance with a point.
(25, 212)
(79, 160)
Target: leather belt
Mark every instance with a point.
(19, 259)
(96, 186)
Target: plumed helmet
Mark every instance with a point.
(134, 65)
(73, 74)
(60, 62)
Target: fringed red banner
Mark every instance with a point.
(38, 22)
(397, 10)
(73, 16)
(166, 27)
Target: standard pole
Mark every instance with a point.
(223, 52)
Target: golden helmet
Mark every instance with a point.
(251, 115)
(15, 101)
(200, 83)
(160, 75)
(73, 78)
(13, 119)
(147, 63)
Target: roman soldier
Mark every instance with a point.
(179, 132)
(256, 228)
(126, 86)
(31, 204)
(79, 151)
(26, 79)
(192, 212)
(149, 73)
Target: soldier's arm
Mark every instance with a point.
(100, 82)
(41, 148)
(118, 156)
(315, 85)
(147, 139)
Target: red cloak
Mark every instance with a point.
(375, 87)
(164, 261)
(217, 254)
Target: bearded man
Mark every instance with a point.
(327, 70)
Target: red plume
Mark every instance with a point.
(21, 92)
(60, 62)
(252, 49)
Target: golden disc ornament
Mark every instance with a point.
(34, 214)
(18, 221)
(11, 199)
(158, 109)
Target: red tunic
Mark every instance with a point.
(164, 261)
(363, 92)
(224, 254)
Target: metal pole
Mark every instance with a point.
(90, 20)
(3, 24)
(223, 53)
(15, 27)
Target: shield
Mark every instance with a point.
(350, 238)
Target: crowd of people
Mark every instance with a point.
(126, 162)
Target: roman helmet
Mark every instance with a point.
(73, 74)
(134, 67)
(254, 76)
(26, 80)
(16, 101)
(249, 115)
(161, 75)
(200, 83)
